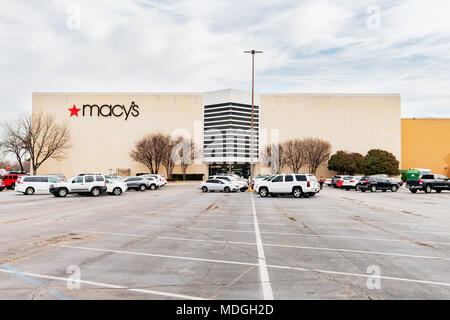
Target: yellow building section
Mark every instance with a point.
(426, 144)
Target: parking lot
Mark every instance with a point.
(180, 243)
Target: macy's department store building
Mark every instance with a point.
(105, 126)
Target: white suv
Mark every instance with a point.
(161, 179)
(93, 184)
(298, 185)
(351, 182)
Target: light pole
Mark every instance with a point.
(252, 52)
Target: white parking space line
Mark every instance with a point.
(361, 275)
(296, 234)
(157, 255)
(263, 272)
(284, 224)
(265, 244)
(212, 221)
(112, 286)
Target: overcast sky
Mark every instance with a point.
(196, 46)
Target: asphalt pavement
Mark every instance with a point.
(180, 243)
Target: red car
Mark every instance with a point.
(339, 183)
(10, 180)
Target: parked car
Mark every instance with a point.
(328, 182)
(2, 185)
(428, 183)
(116, 186)
(162, 179)
(340, 182)
(296, 184)
(154, 182)
(60, 177)
(259, 178)
(259, 182)
(30, 185)
(115, 178)
(243, 185)
(93, 184)
(137, 183)
(374, 183)
(351, 182)
(219, 185)
(335, 180)
(10, 180)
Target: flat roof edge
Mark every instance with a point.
(425, 118)
(203, 93)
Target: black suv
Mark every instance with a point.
(374, 183)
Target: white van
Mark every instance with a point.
(30, 185)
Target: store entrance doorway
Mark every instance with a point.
(241, 169)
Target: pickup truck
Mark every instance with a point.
(428, 183)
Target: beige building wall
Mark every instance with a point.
(355, 123)
(103, 143)
(350, 122)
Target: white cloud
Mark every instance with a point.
(153, 45)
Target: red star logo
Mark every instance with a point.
(74, 111)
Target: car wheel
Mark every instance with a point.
(117, 191)
(297, 193)
(263, 192)
(62, 192)
(95, 192)
(1, 189)
(357, 187)
(413, 190)
(29, 191)
(153, 187)
(243, 189)
(227, 189)
(142, 187)
(394, 188)
(384, 190)
(438, 190)
(373, 189)
(428, 189)
(13, 185)
(205, 189)
(348, 189)
(363, 190)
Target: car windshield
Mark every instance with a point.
(348, 178)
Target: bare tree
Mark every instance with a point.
(167, 160)
(273, 157)
(317, 153)
(43, 138)
(184, 154)
(294, 154)
(11, 144)
(150, 150)
(143, 152)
